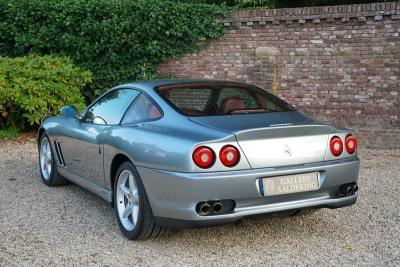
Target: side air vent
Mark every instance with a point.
(59, 153)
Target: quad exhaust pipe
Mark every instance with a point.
(208, 208)
(217, 206)
(204, 209)
(348, 189)
(355, 188)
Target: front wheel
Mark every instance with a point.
(132, 207)
(47, 164)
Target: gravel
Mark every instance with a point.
(67, 225)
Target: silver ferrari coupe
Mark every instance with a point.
(173, 154)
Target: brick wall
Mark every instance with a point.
(340, 64)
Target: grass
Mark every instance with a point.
(9, 133)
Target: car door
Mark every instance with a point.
(82, 147)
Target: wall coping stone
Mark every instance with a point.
(343, 13)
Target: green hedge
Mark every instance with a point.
(34, 87)
(117, 40)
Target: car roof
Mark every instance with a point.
(151, 84)
(148, 87)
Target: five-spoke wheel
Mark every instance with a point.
(47, 164)
(127, 197)
(45, 158)
(134, 214)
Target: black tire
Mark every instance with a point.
(54, 179)
(145, 226)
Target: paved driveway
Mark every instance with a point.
(68, 225)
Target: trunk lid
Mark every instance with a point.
(274, 139)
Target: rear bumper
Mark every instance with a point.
(173, 196)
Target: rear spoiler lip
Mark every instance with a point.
(281, 124)
(292, 126)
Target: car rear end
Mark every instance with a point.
(223, 191)
(275, 162)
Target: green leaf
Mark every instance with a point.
(110, 38)
(37, 86)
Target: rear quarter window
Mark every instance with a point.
(142, 109)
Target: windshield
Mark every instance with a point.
(209, 99)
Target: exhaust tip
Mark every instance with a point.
(204, 209)
(349, 190)
(355, 189)
(217, 207)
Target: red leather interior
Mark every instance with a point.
(231, 103)
(259, 100)
(153, 112)
(192, 112)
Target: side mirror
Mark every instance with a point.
(69, 111)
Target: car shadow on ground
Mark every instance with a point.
(263, 227)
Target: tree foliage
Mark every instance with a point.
(117, 40)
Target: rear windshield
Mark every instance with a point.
(221, 99)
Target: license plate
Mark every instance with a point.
(289, 184)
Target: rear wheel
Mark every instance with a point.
(132, 207)
(47, 164)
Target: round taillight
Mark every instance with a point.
(336, 146)
(229, 156)
(203, 157)
(350, 143)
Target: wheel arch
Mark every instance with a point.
(41, 131)
(117, 160)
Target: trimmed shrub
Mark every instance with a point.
(117, 40)
(34, 87)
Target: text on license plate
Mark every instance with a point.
(288, 184)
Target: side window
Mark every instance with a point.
(142, 110)
(110, 108)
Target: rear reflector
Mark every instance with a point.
(229, 156)
(204, 157)
(350, 144)
(336, 146)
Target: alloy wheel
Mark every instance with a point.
(46, 159)
(127, 197)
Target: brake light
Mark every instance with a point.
(336, 146)
(350, 143)
(229, 156)
(204, 157)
